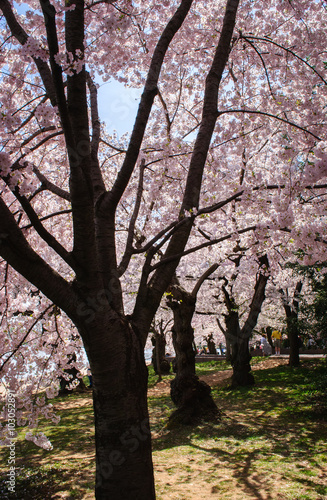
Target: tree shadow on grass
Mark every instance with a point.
(263, 436)
(67, 468)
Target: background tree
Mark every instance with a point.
(211, 344)
(191, 395)
(291, 307)
(81, 210)
(238, 336)
(161, 365)
(313, 305)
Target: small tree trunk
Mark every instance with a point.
(123, 440)
(211, 344)
(240, 360)
(239, 350)
(160, 364)
(189, 394)
(269, 337)
(291, 312)
(239, 338)
(157, 357)
(292, 333)
(228, 350)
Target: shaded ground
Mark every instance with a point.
(270, 444)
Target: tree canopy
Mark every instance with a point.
(228, 147)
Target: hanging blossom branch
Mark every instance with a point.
(268, 40)
(203, 245)
(20, 34)
(269, 115)
(25, 337)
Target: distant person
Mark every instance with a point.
(89, 375)
(264, 345)
(277, 336)
(311, 343)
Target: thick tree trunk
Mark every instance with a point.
(124, 469)
(291, 311)
(191, 395)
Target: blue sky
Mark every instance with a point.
(118, 106)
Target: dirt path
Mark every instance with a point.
(181, 473)
(219, 377)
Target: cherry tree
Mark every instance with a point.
(93, 227)
(191, 395)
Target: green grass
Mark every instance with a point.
(270, 444)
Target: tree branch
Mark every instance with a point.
(150, 297)
(147, 98)
(20, 34)
(50, 216)
(42, 232)
(15, 249)
(200, 281)
(172, 258)
(257, 299)
(221, 327)
(48, 185)
(269, 115)
(129, 244)
(267, 40)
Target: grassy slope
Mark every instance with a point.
(270, 444)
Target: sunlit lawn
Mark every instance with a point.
(270, 444)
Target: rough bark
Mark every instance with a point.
(123, 440)
(291, 311)
(93, 300)
(239, 337)
(191, 395)
(160, 364)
